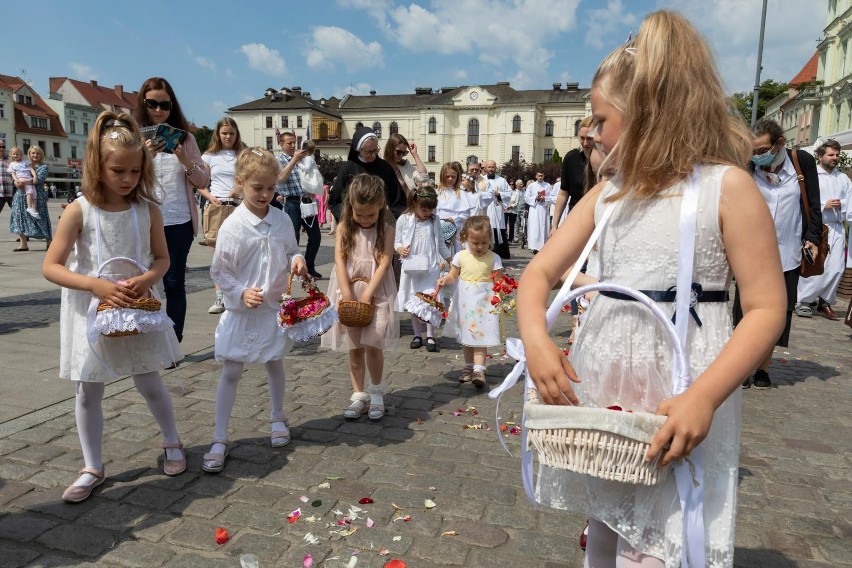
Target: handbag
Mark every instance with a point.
(311, 181)
(817, 267)
(214, 216)
(309, 209)
(415, 263)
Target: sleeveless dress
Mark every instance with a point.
(623, 356)
(383, 331)
(470, 319)
(130, 355)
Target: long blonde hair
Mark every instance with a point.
(675, 111)
(113, 131)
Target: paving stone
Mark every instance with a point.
(82, 540)
(450, 553)
(114, 516)
(265, 519)
(155, 527)
(266, 548)
(190, 560)
(837, 551)
(11, 490)
(14, 556)
(23, 528)
(138, 554)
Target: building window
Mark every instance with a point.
(359, 125)
(72, 126)
(284, 121)
(2, 110)
(548, 128)
(548, 154)
(86, 128)
(516, 153)
(298, 141)
(431, 154)
(269, 142)
(577, 127)
(432, 176)
(516, 123)
(433, 125)
(299, 121)
(470, 159)
(323, 131)
(377, 129)
(73, 152)
(473, 132)
(394, 128)
(25, 99)
(269, 122)
(25, 145)
(38, 122)
(56, 150)
(43, 145)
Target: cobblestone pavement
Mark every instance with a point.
(794, 505)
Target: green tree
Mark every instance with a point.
(329, 167)
(203, 136)
(768, 90)
(556, 159)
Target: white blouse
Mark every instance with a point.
(784, 204)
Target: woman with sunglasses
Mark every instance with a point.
(177, 173)
(396, 149)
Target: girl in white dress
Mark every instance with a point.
(418, 234)
(256, 251)
(454, 204)
(620, 357)
(116, 217)
(472, 320)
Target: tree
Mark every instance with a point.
(329, 167)
(203, 136)
(768, 90)
(512, 171)
(556, 159)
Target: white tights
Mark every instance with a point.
(226, 394)
(605, 549)
(89, 414)
(417, 327)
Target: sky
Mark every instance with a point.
(221, 54)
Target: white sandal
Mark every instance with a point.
(280, 438)
(360, 404)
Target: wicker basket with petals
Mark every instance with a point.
(306, 317)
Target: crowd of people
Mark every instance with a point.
(402, 239)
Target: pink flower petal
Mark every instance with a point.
(308, 561)
(370, 523)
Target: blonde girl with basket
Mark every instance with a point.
(256, 252)
(424, 254)
(621, 358)
(472, 319)
(363, 251)
(116, 219)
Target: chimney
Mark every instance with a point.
(503, 83)
(557, 86)
(572, 86)
(119, 90)
(423, 91)
(297, 90)
(373, 93)
(94, 83)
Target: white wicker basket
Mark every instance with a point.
(603, 443)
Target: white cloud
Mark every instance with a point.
(378, 9)
(331, 44)
(218, 107)
(82, 72)
(601, 23)
(460, 74)
(205, 63)
(265, 60)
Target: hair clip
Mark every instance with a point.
(630, 50)
(256, 152)
(115, 123)
(113, 135)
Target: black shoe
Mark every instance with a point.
(747, 383)
(416, 343)
(316, 275)
(761, 380)
(431, 345)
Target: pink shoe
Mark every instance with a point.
(79, 493)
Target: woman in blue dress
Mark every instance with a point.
(25, 225)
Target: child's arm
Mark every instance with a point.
(40, 175)
(548, 367)
(33, 174)
(223, 271)
(397, 240)
(382, 268)
(343, 282)
(451, 277)
(205, 193)
(748, 233)
(54, 269)
(160, 253)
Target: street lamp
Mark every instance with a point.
(759, 61)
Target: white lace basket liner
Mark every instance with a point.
(604, 443)
(429, 311)
(313, 326)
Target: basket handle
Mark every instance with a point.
(359, 279)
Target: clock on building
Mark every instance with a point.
(474, 95)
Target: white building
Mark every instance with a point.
(7, 113)
(479, 122)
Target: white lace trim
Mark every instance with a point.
(313, 327)
(125, 320)
(424, 311)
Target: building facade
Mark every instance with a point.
(835, 70)
(481, 122)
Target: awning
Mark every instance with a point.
(844, 138)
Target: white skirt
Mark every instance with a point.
(250, 336)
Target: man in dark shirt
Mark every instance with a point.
(574, 173)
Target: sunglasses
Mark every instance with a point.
(153, 103)
(402, 153)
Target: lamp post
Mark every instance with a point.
(759, 61)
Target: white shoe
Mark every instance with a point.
(218, 306)
(33, 212)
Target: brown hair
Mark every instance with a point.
(364, 190)
(216, 142)
(830, 143)
(476, 224)
(442, 177)
(659, 74)
(423, 194)
(394, 140)
(140, 113)
(253, 160)
(115, 131)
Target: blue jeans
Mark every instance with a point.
(178, 241)
(311, 225)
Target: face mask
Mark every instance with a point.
(764, 159)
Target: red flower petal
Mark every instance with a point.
(365, 501)
(395, 563)
(222, 536)
(614, 407)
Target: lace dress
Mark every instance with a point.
(426, 240)
(623, 356)
(130, 355)
(383, 331)
(471, 320)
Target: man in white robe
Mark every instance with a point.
(497, 210)
(539, 196)
(835, 189)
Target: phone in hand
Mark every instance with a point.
(809, 256)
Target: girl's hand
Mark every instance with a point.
(215, 200)
(551, 372)
(346, 296)
(412, 147)
(155, 147)
(180, 154)
(689, 421)
(365, 297)
(442, 265)
(403, 251)
(138, 285)
(252, 297)
(115, 294)
(298, 267)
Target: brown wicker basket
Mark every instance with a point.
(353, 313)
(431, 300)
(147, 304)
(315, 302)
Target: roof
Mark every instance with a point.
(38, 109)
(97, 95)
(290, 100)
(503, 92)
(808, 74)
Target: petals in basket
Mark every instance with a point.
(312, 327)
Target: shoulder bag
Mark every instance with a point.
(817, 267)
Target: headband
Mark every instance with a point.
(364, 139)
